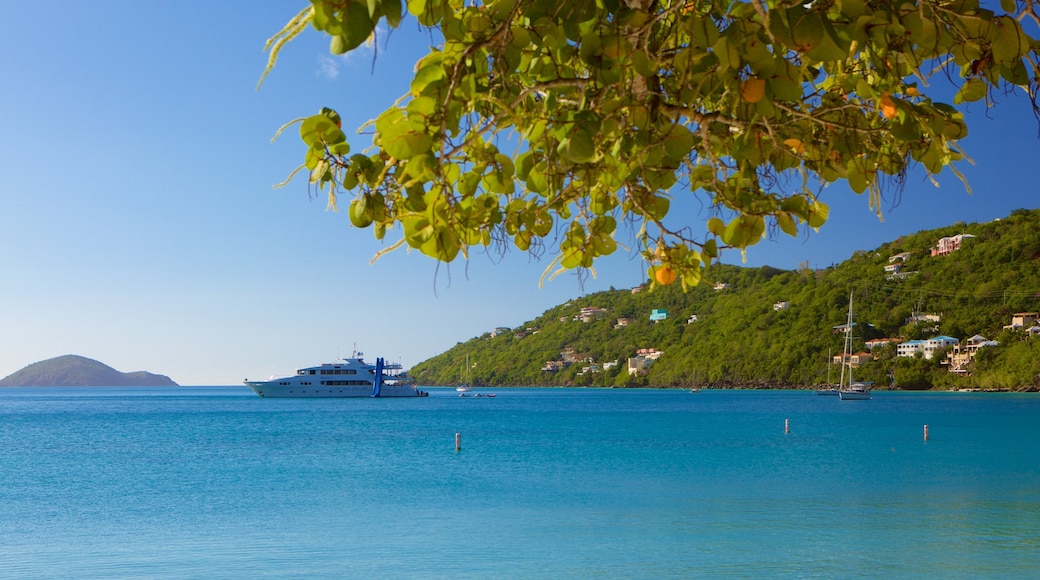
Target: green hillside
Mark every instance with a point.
(744, 337)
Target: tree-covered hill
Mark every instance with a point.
(77, 371)
(772, 327)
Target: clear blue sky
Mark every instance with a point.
(139, 225)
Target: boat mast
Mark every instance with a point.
(846, 357)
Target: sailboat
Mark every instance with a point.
(464, 387)
(851, 390)
(831, 388)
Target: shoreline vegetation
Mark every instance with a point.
(948, 309)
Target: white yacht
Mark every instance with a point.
(347, 377)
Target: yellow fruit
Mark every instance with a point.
(752, 90)
(664, 275)
(795, 145)
(888, 106)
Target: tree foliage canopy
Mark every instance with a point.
(545, 123)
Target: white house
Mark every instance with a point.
(936, 343)
(909, 348)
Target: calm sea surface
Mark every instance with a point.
(549, 483)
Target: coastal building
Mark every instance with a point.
(937, 343)
(878, 342)
(645, 357)
(553, 366)
(1022, 320)
(909, 348)
(590, 313)
(951, 244)
(852, 359)
(959, 357)
(918, 318)
(927, 348)
(636, 366)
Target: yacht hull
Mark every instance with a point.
(276, 391)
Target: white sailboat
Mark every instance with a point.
(850, 390)
(466, 386)
(830, 389)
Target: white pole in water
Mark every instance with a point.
(787, 425)
(458, 441)
(926, 432)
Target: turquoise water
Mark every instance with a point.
(549, 483)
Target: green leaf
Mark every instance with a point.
(784, 89)
(578, 147)
(317, 130)
(818, 213)
(357, 26)
(972, 90)
(786, 223)
(392, 10)
(716, 226)
(1009, 42)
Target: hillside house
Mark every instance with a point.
(590, 313)
(500, 331)
(854, 359)
(637, 366)
(645, 357)
(878, 342)
(782, 305)
(693, 318)
(553, 366)
(951, 244)
(893, 268)
(649, 353)
(721, 286)
(900, 257)
(918, 318)
(657, 315)
(961, 355)
(841, 328)
(622, 322)
(1022, 320)
(937, 343)
(637, 289)
(909, 348)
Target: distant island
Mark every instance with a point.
(77, 371)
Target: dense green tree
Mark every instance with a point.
(549, 121)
